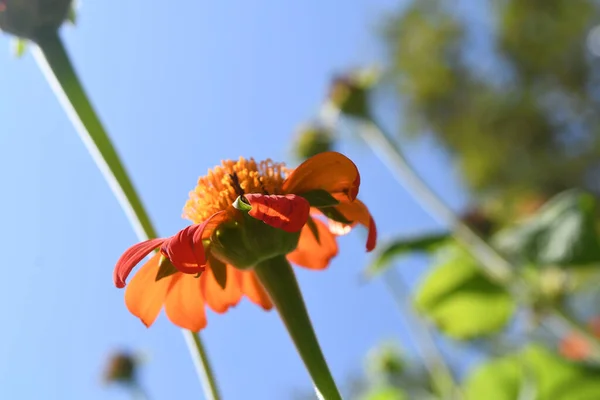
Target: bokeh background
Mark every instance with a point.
(495, 104)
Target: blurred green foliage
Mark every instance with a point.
(461, 300)
(533, 373)
(514, 100)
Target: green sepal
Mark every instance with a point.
(320, 198)
(219, 270)
(165, 268)
(242, 204)
(335, 215)
(312, 225)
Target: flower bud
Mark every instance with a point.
(32, 19)
(479, 221)
(313, 139)
(385, 362)
(349, 92)
(249, 241)
(121, 368)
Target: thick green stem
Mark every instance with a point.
(279, 280)
(58, 70)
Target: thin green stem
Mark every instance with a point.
(279, 280)
(56, 65)
(492, 262)
(496, 266)
(138, 392)
(211, 390)
(439, 371)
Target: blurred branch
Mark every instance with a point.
(490, 260)
(433, 359)
(388, 151)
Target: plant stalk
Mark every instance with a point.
(58, 70)
(279, 280)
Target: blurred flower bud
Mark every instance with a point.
(349, 92)
(32, 19)
(479, 221)
(312, 139)
(385, 362)
(121, 368)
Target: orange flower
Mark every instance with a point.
(575, 347)
(243, 213)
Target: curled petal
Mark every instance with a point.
(356, 211)
(184, 304)
(186, 250)
(330, 171)
(312, 253)
(144, 296)
(131, 258)
(289, 212)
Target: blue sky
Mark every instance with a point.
(180, 88)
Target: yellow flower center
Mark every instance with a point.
(218, 189)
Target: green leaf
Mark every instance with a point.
(401, 246)
(219, 270)
(19, 46)
(165, 268)
(563, 232)
(384, 393)
(314, 229)
(536, 371)
(320, 198)
(462, 301)
(335, 215)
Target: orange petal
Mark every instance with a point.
(574, 347)
(185, 249)
(357, 212)
(131, 258)
(328, 171)
(144, 296)
(184, 304)
(288, 212)
(217, 298)
(252, 288)
(312, 254)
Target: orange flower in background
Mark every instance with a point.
(575, 347)
(244, 212)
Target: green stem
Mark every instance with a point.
(496, 266)
(439, 371)
(59, 72)
(279, 280)
(492, 262)
(209, 383)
